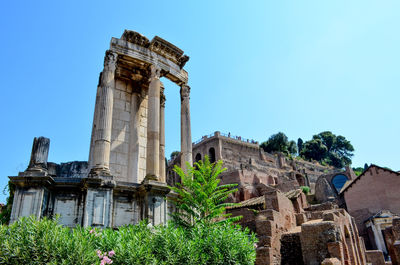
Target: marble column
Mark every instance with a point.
(153, 125)
(133, 163)
(95, 118)
(102, 143)
(162, 135)
(40, 153)
(186, 134)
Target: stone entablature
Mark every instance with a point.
(124, 180)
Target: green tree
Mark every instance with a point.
(200, 198)
(299, 145)
(358, 170)
(314, 149)
(328, 148)
(279, 143)
(6, 211)
(174, 154)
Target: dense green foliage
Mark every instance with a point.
(328, 148)
(6, 211)
(174, 154)
(325, 147)
(306, 190)
(358, 170)
(200, 198)
(300, 143)
(29, 241)
(197, 235)
(279, 143)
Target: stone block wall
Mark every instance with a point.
(375, 257)
(121, 131)
(69, 206)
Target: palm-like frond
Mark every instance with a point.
(200, 198)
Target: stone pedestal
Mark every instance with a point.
(154, 204)
(31, 195)
(99, 203)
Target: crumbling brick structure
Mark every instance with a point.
(291, 232)
(250, 167)
(392, 238)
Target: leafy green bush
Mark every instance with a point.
(29, 241)
(200, 198)
(306, 190)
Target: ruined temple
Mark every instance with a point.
(124, 179)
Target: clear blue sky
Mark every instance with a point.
(256, 68)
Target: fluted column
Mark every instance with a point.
(40, 153)
(186, 134)
(162, 135)
(153, 125)
(133, 163)
(102, 144)
(94, 126)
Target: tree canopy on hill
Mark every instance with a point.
(325, 147)
(328, 148)
(279, 143)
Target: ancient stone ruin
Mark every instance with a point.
(124, 180)
(252, 168)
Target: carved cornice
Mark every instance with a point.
(136, 52)
(135, 38)
(157, 45)
(183, 60)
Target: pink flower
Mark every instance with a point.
(111, 253)
(92, 231)
(99, 254)
(255, 245)
(107, 260)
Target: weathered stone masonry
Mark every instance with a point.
(124, 180)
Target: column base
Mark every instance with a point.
(150, 177)
(100, 172)
(154, 206)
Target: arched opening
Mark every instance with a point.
(271, 180)
(300, 179)
(338, 182)
(211, 154)
(197, 157)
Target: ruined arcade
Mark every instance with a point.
(124, 180)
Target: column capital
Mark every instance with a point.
(110, 61)
(185, 91)
(162, 95)
(155, 72)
